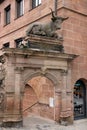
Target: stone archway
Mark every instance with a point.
(80, 99)
(22, 62)
(40, 93)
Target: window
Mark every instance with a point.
(18, 42)
(20, 7)
(6, 45)
(7, 15)
(1, 1)
(35, 3)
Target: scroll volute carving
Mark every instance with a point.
(2, 85)
(2, 97)
(2, 59)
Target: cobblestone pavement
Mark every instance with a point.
(36, 123)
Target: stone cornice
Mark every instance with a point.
(27, 52)
(39, 46)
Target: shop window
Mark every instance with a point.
(7, 14)
(79, 100)
(35, 3)
(20, 7)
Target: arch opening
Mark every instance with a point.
(37, 94)
(79, 100)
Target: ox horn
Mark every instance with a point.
(65, 18)
(52, 13)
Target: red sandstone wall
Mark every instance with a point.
(75, 36)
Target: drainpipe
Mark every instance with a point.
(55, 6)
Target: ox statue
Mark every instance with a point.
(47, 29)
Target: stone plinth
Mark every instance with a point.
(44, 43)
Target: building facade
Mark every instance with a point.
(49, 85)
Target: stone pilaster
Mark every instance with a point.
(17, 95)
(66, 111)
(18, 79)
(64, 104)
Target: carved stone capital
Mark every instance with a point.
(19, 69)
(64, 72)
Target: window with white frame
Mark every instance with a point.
(20, 7)
(35, 3)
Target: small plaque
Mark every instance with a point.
(51, 102)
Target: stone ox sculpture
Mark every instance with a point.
(47, 29)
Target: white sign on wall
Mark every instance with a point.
(51, 102)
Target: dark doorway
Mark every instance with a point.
(79, 100)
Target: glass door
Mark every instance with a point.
(79, 100)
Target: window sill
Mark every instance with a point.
(35, 7)
(19, 17)
(6, 24)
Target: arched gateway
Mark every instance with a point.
(45, 63)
